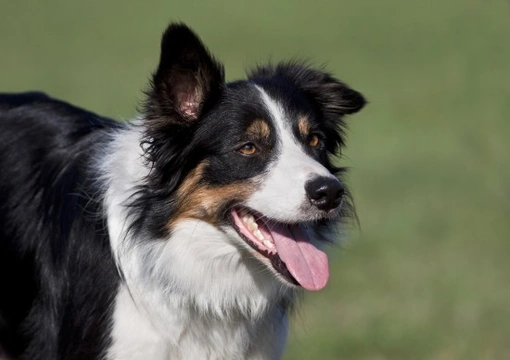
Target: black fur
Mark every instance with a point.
(57, 276)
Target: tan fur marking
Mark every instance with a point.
(259, 129)
(205, 202)
(304, 126)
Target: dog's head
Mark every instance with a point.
(251, 158)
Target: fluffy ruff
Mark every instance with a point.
(182, 235)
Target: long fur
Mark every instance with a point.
(120, 241)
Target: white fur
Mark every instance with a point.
(292, 166)
(197, 295)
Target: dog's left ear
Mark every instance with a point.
(188, 78)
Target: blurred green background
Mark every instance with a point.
(427, 276)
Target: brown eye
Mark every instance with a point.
(248, 149)
(314, 141)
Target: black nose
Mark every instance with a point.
(324, 192)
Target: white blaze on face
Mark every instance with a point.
(282, 195)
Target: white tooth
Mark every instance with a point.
(247, 218)
(258, 235)
(269, 244)
(253, 226)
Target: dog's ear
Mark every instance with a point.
(188, 78)
(333, 97)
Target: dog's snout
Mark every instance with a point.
(324, 192)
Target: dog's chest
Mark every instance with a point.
(185, 334)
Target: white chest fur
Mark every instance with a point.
(194, 335)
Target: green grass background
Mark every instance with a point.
(428, 274)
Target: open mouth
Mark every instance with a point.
(287, 246)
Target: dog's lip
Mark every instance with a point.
(287, 246)
(270, 254)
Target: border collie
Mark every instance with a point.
(184, 234)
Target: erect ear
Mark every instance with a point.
(187, 78)
(333, 97)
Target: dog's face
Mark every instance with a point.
(251, 158)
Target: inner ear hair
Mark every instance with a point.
(188, 96)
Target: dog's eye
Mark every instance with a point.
(248, 149)
(314, 140)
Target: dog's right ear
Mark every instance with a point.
(188, 78)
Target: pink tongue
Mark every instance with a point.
(307, 264)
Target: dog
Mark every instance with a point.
(183, 234)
